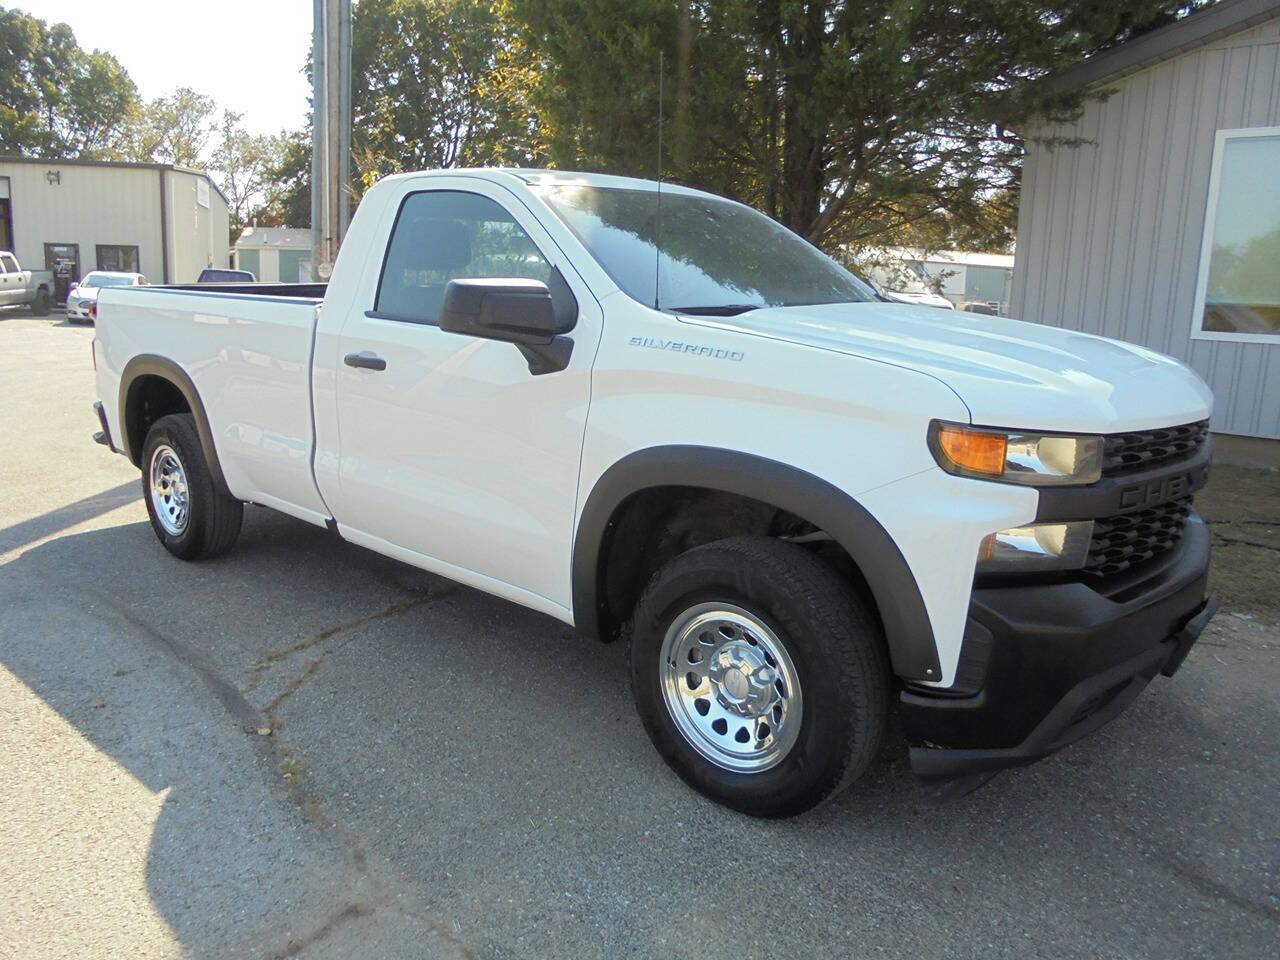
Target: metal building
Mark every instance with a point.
(1163, 226)
(73, 216)
(275, 254)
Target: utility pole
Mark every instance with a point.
(330, 131)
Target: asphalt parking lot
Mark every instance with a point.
(306, 750)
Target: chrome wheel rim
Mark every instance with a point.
(169, 497)
(730, 687)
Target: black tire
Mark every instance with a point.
(213, 518)
(834, 640)
(40, 305)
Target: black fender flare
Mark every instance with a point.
(902, 611)
(150, 365)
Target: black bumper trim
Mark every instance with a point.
(1127, 492)
(103, 436)
(1090, 704)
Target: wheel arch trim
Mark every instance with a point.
(150, 365)
(912, 649)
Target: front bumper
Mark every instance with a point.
(1044, 665)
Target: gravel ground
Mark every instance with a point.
(448, 775)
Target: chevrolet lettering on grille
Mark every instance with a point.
(1156, 491)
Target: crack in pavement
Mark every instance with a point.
(1247, 543)
(289, 766)
(260, 669)
(1212, 889)
(244, 713)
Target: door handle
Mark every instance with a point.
(365, 360)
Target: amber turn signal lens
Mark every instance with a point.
(973, 452)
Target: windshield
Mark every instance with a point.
(102, 280)
(716, 256)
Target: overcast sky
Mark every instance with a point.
(246, 54)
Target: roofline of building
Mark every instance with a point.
(1200, 28)
(124, 164)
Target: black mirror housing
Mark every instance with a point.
(511, 309)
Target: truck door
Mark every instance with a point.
(449, 448)
(12, 287)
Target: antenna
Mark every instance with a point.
(657, 224)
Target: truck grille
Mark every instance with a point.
(1127, 539)
(1123, 452)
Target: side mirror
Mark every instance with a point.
(513, 310)
(500, 308)
(71, 289)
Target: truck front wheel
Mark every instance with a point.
(190, 516)
(761, 677)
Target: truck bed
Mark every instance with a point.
(247, 348)
(307, 291)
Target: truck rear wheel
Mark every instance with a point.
(40, 305)
(190, 516)
(761, 677)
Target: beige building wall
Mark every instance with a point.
(85, 205)
(199, 226)
(169, 214)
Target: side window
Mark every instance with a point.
(444, 235)
(8, 265)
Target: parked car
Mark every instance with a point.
(83, 295)
(800, 504)
(216, 275)
(20, 287)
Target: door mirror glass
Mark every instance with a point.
(511, 309)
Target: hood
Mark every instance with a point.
(1009, 373)
(85, 293)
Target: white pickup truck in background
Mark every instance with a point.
(681, 424)
(30, 288)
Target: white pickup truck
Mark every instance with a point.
(672, 420)
(20, 287)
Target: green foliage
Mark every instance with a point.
(288, 178)
(852, 123)
(174, 129)
(434, 86)
(59, 100)
(244, 163)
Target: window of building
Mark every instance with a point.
(117, 258)
(444, 235)
(1238, 293)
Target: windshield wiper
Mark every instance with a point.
(718, 310)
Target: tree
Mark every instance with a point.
(174, 129)
(243, 163)
(58, 100)
(287, 175)
(434, 85)
(848, 122)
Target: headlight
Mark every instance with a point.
(1033, 459)
(1036, 547)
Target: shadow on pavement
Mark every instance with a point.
(468, 778)
(46, 524)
